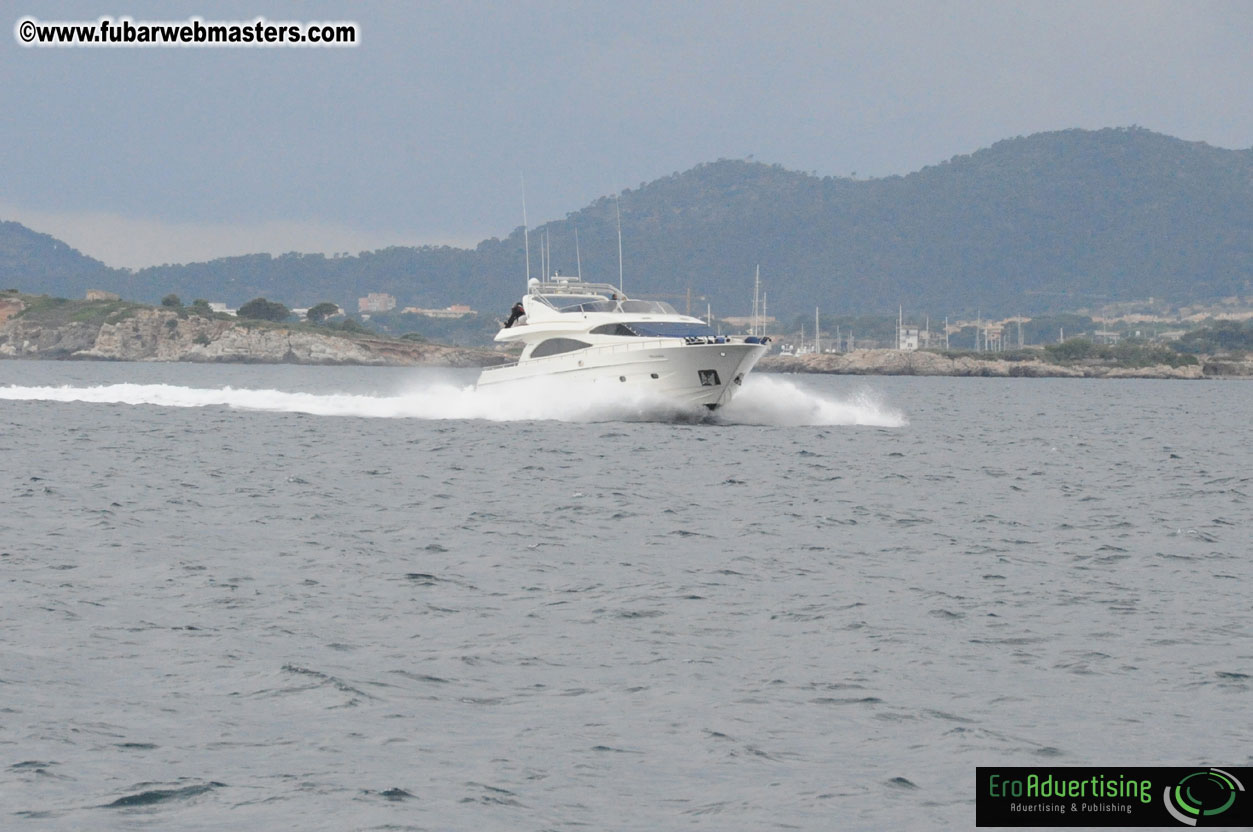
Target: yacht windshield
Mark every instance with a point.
(593, 303)
(656, 329)
(648, 307)
(570, 303)
(595, 306)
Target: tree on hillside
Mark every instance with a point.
(261, 309)
(201, 307)
(349, 325)
(1072, 349)
(321, 312)
(172, 301)
(1218, 337)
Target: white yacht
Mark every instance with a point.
(592, 332)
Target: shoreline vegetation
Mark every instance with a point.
(48, 328)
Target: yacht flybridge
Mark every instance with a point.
(593, 332)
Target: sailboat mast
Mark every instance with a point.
(578, 258)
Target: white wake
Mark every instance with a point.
(763, 401)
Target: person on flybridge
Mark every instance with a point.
(516, 312)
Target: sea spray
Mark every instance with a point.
(770, 400)
(763, 401)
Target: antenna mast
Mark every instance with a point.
(618, 208)
(756, 298)
(526, 235)
(578, 259)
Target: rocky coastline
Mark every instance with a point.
(153, 334)
(918, 363)
(130, 332)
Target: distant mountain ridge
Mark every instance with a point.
(1043, 223)
(46, 264)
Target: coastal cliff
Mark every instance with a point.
(919, 363)
(128, 333)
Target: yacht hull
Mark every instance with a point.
(688, 374)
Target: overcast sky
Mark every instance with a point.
(420, 133)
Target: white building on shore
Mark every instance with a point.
(376, 302)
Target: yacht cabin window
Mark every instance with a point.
(556, 346)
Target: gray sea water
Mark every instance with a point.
(314, 598)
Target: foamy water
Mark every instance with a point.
(763, 401)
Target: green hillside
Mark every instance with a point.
(41, 263)
(1049, 222)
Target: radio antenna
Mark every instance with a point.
(618, 208)
(526, 234)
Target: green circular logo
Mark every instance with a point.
(1202, 796)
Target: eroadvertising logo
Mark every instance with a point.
(1113, 796)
